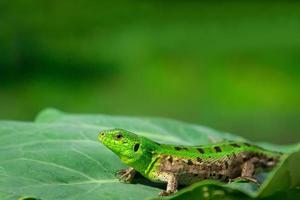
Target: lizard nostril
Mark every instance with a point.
(102, 135)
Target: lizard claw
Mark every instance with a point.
(125, 175)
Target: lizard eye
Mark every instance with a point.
(119, 136)
(136, 147)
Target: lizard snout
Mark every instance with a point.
(101, 136)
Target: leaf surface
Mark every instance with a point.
(59, 157)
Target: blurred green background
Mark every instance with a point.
(233, 66)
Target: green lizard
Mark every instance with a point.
(184, 165)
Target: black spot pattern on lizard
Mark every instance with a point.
(180, 148)
(245, 158)
(270, 159)
(201, 150)
(190, 162)
(247, 144)
(170, 159)
(234, 155)
(199, 160)
(235, 145)
(226, 164)
(157, 143)
(218, 149)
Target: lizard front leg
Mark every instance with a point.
(126, 175)
(172, 184)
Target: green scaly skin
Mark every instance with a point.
(184, 165)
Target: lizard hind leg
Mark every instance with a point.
(248, 169)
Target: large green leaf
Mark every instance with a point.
(59, 157)
(50, 161)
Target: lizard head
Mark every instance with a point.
(128, 146)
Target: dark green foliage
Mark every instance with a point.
(229, 65)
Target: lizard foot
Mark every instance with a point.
(166, 193)
(245, 178)
(126, 175)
